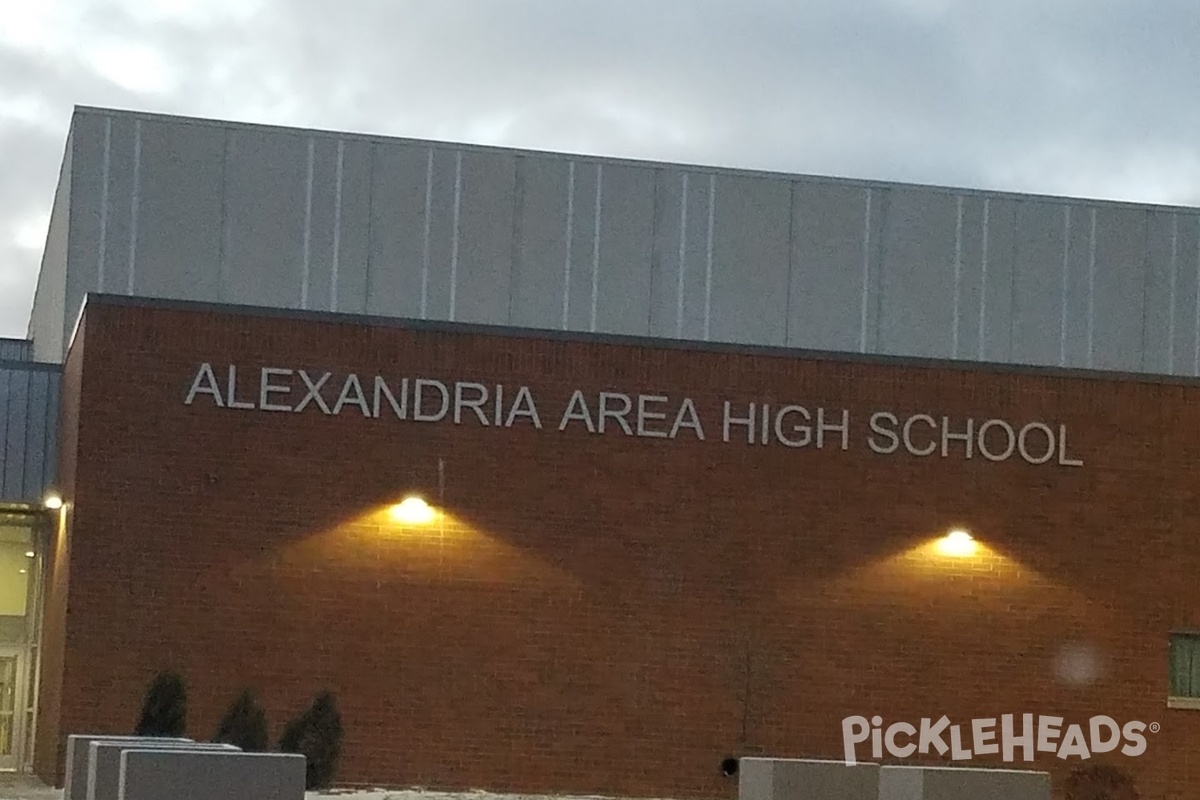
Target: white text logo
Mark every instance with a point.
(1006, 737)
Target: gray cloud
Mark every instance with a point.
(1094, 98)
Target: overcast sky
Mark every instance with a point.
(1093, 98)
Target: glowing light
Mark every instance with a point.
(412, 511)
(957, 544)
(53, 502)
(29, 554)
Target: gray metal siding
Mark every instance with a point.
(750, 264)
(179, 243)
(29, 398)
(397, 203)
(623, 256)
(270, 205)
(46, 322)
(301, 219)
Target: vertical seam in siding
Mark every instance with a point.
(568, 238)
(368, 273)
(14, 471)
(104, 178)
(335, 261)
(879, 262)
(53, 434)
(683, 201)
(708, 260)
(1066, 266)
(958, 231)
(1174, 281)
(596, 244)
(1196, 355)
(5, 418)
(30, 446)
(426, 234)
(1091, 312)
(226, 227)
(1015, 262)
(655, 277)
(307, 247)
(23, 480)
(49, 453)
(787, 320)
(454, 241)
(1147, 278)
(983, 276)
(866, 273)
(134, 201)
(518, 227)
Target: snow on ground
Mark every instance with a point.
(22, 790)
(421, 794)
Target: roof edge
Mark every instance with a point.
(640, 163)
(624, 340)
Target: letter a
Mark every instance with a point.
(209, 386)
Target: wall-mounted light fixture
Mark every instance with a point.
(412, 510)
(957, 544)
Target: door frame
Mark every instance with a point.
(44, 526)
(15, 761)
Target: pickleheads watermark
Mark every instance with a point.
(1005, 737)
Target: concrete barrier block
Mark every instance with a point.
(901, 783)
(163, 774)
(75, 777)
(104, 762)
(806, 779)
(953, 783)
(754, 778)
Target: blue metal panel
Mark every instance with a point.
(12, 486)
(16, 350)
(36, 455)
(28, 431)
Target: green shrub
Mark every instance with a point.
(245, 724)
(317, 735)
(164, 709)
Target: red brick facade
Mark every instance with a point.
(607, 613)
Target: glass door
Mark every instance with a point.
(10, 711)
(22, 544)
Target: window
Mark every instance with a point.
(1184, 666)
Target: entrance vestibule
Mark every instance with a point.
(23, 539)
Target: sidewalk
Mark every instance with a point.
(22, 787)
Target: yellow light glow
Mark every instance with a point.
(412, 511)
(957, 544)
(53, 502)
(29, 554)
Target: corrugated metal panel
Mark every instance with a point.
(29, 398)
(338, 222)
(16, 349)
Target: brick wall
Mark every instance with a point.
(611, 613)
